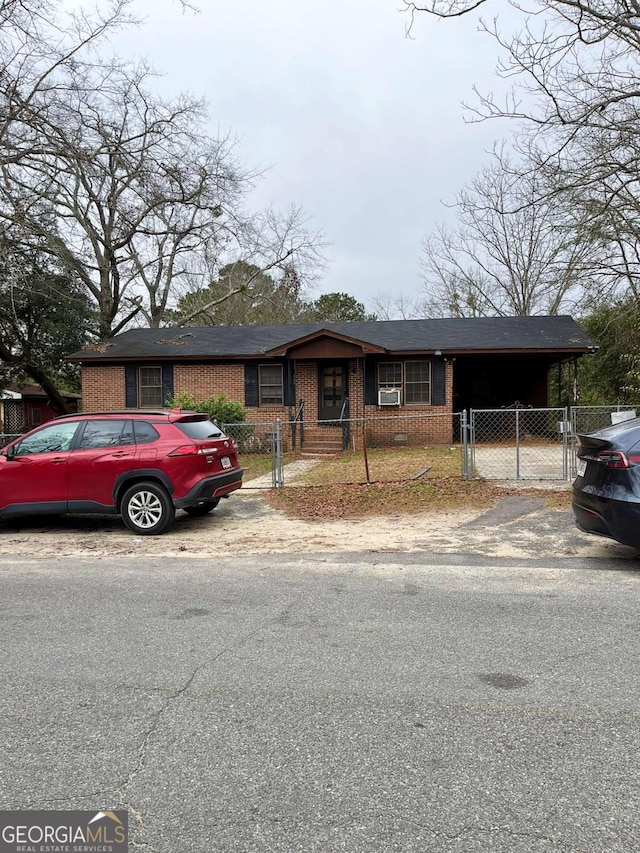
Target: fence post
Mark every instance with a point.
(364, 450)
(574, 410)
(517, 444)
(279, 473)
(472, 442)
(567, 443)
(465, 445)
(274, 456)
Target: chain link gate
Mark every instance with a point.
(259, 451)
(519, 443)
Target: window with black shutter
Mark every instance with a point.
(413, 378)
(421, 381)
(148, 386)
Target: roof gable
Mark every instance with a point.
(322, 335)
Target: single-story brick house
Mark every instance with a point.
(367, 369)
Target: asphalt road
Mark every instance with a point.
(327, 703)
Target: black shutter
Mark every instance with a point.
(167, 383)
(370, 384)
(251, 384)
(289, 384)
(438, 381)
(130, 386)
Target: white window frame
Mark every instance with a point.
(402, 385)
(271, 403)
(140, 386)
(422, 382)
(385, 385)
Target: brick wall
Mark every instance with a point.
(210, 380)
(414, 424)
(102, 388)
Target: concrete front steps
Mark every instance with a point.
(321, 442)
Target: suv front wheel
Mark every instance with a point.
(147, 509)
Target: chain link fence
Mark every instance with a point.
(353, 450)
(7, 438)
(260, 452)
(523, 443)
(386, 448)
(519, 444)
(587, 419)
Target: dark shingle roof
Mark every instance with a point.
(451, 336)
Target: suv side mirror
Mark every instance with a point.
(10, 452)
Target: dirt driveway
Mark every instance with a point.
(518, 526)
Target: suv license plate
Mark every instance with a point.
(581, 467)
(226, 462)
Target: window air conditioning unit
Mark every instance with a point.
(389, 397)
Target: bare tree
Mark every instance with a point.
(510, 253)
(127, 191)
(270, 242)
(39, 47)
(397, 306)
(119, 186)
(600, 182)
(574, 67)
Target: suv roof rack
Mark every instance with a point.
(131, 412)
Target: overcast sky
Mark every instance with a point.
(359, 125)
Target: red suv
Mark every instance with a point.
(141, 464)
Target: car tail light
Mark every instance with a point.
(194, 450)
(614, 459)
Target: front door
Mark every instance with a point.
(332, 383)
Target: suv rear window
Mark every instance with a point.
(199, 429)
(145, 433)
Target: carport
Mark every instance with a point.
(490, 381)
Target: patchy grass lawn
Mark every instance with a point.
(336, 488)
(400, 498)
(388, 465)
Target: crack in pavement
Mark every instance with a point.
(280, 618)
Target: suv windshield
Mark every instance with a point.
(199, 429)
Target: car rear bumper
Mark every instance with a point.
(619, 520)
(210, 488)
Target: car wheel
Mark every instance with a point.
(147, 509)
(203, 508)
